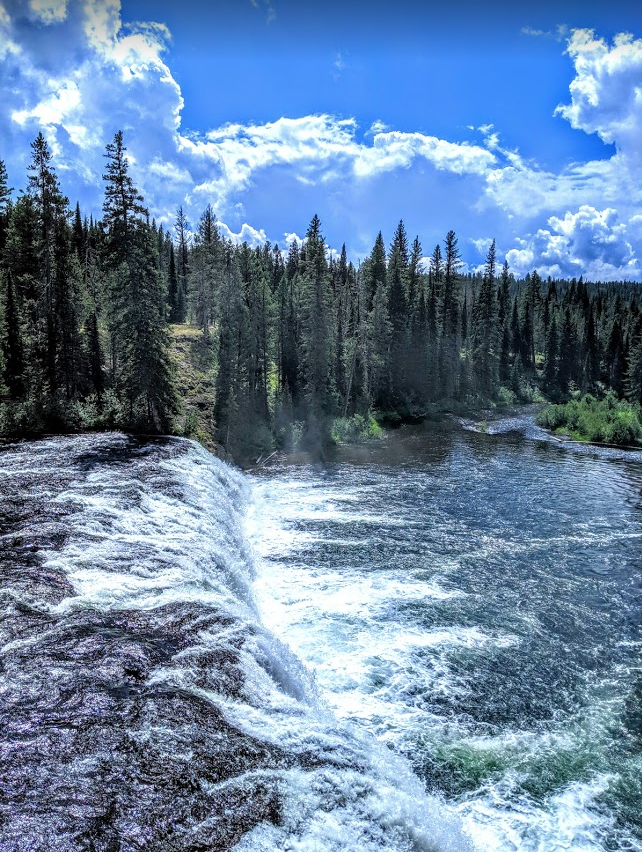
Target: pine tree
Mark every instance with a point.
(204, 270)
(449, 360)
(485, 361)
(550, 356)
(5, 201)
(95, 358)
(567, 364)
(55, 300)
(504, 325)
(229, 378)
(316, 333)
(175, 306)
(515, 332)
(12, 344)
(633, 383)
(374, 275)
(615, 355)
(140, 342)
(341, 310)
(398, 311)
(123, 204)
(419, 334)
(182, 267)
(592, 358)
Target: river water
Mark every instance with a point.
(431, 644)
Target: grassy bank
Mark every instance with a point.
(194, 357)
(601, 421)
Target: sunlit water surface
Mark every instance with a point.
(474, 601)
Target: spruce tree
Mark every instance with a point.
(55, 300)
(633, 383)
(175, 305)
(398, 313)
(182, 266)
(123, 204)
(12, 344)
(140, 341)
(449, 360)
(485, 361)
(5, 201)
(550, 357)
(316, 334)
(504, 326)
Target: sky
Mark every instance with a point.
(518, 122)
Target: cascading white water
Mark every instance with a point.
(477, 605)
(144, 703)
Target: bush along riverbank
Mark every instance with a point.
(600, 421)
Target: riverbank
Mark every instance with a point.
(605, 422)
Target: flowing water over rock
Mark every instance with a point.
(474, 601)
(143, 706)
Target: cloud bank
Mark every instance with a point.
(72, 69)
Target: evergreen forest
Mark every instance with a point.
(300, 340)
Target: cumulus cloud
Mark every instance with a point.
(49, 11)
(79, 76)
(606, 94)
(83, 78)
(247, 234)
(71, 69)
(482, 244)
(589, 242)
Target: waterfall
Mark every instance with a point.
(143, 703)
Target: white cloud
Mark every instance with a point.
(560, 32)
(49, 11)
(378, 126)
(247, 234)
(491, 136)
(606, 94)
(589, 242)
(291, 237)
(482, 244)
(79, 75)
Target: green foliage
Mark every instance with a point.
(608, 421)
(291, 351)
(505, 397)
(356, 429)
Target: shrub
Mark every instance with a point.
(355, 429)
(601, 421)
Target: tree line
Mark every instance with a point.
(301, 337)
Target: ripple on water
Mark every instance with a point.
(489, 630)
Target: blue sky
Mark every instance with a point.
(520, 122)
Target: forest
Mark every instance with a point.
(302, 339)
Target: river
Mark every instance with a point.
(428, 644)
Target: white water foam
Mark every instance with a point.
(335, 615)
(141, 542)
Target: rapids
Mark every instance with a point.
(428, 644)
(474, 601)
(143, 705)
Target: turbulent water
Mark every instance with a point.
(431, 645)
(142, 704)
(474, 601)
